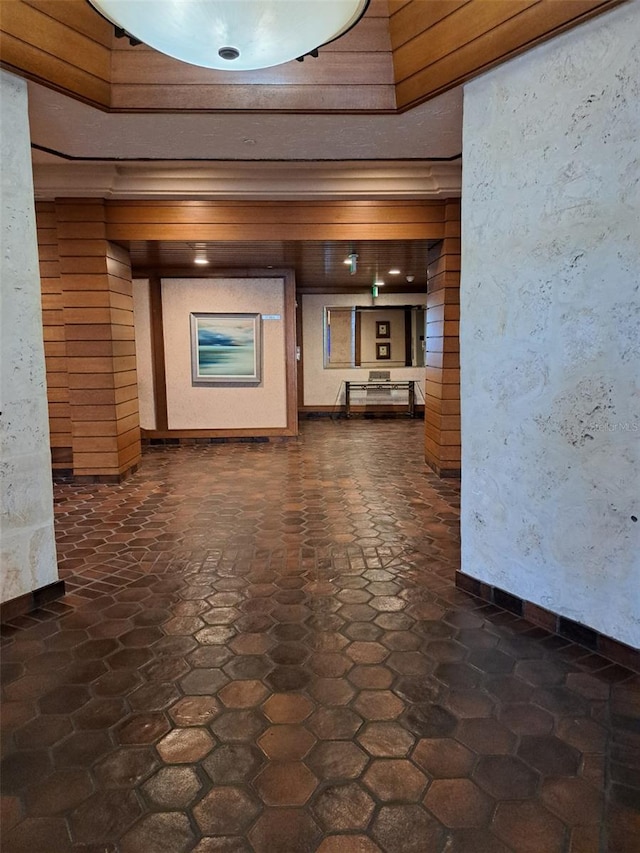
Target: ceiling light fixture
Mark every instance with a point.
(394, 272)
(233, 35)
(377, 281)
(352, 262)
(201, 262)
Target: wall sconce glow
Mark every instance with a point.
(234, 35)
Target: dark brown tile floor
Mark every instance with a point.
(262, 649)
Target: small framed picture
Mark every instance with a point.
(383, 351)
(383, 329)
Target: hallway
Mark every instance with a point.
(262, 650)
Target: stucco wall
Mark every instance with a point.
(204, 407)
(549, 331)
(325, 387)
(27, 546)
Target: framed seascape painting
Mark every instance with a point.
(225, 349)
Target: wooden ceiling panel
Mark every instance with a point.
(319, 265)
(384, 64)
(444, 43)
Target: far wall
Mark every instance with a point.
(209, 407)
(549, 326)
(325, 387)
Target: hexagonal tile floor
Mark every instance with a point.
(262, 650)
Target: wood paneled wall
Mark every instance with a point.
(442, 43)
(275, 220)
(55, 342)
(353, 74)
(94, 293)
(442, 386)
(61, 43)
(100, 346)
(385, 63)
(65, 44)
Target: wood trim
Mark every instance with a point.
(219, 213)
(299, 349)
(291, 365)
(368, 411)
(330, 98)
(139, 69)
(265, 432)
(159, 377)
(407, 337)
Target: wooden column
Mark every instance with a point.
(101, 363)
(442, 399)
(55, 344)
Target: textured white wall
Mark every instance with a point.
(27, 545)
(550, 325)
(325, 387)
(208, 407)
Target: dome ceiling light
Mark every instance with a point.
(233, 35)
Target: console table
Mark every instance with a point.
(405, 385)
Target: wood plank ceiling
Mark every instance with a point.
(319, 265)
(388, 62)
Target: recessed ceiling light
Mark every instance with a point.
(201, 262)
(394, 272)
(379, 282)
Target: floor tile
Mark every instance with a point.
(262, 650)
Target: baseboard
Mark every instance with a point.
(311, 412)
(31, 601)
(190, 441)
(583, 635)
(443, 472)
(106, 479)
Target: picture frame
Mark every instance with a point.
(383, 329)
(383, 351)
(226, 349)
